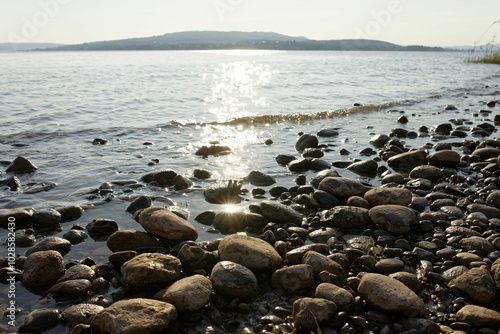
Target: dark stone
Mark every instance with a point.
(139, 203)
(21, 165)
(214, 150)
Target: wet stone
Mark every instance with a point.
(80, 313)
(50, 243)
(131, 240)
(233, 280)
(389, 266)
(42, 268)
(40, 320)
(188, 294)
(293, 278)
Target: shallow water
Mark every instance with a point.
(53, 105)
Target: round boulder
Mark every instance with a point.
(188, 294)
(162, 222)
(134, 316)
(293, 278)
(250, 252)
(233, 280)
(151, 269)
(42, 268)
(393, 218)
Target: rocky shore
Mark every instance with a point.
(417, 253)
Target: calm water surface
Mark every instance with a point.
(165, 105)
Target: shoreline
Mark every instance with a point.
(427, 249)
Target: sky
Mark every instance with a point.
(404, 22)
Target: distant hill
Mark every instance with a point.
(215, 40)
(26, 46)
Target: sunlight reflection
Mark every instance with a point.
(235, 89)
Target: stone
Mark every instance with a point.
(232, 280)
(119, 258)
(202, 174)
(223, 193)
(444, 158)
(151, 270)
(225, 221)
(379, 140)
(75, 236)
(390, 295)
(279, 213)
(320, 176)
(100, 228)
(250, 252)
(408, 279)
(260, 179)
(422, 326)
(405, 162)
(70, 212)
(161, 222)
(293, 278)
(141, 202)
(295, 255)
(80, 313)
(196, 259)
(40, 320)
(479, 244)
(134, 316)
(493, 199)
(340, 296)
(188, 294)
(426, 172)
(489, 211)
(46, 217)
(162, 178)
(12, 182)
(454, 272)
(50, 243)
(309, 313)
(42, 268)
(74, 287)
(320, 262)
(213, 150)
(22, 216)
(393, 218)
(25, 237)
(389, 266)
(486, 153)
(284, 159)
(131, 240)
(364, 167)
(78, 271)
(21, 165)
(306, 141)
(328, 132)
(478, 316)
(346, 217)
(478, 284)
(392, 196)
(341, 187)
(182, 182)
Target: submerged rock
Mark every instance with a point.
(21, 165)
(161, 222)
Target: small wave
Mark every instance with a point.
(297, 118)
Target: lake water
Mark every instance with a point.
(165, 105)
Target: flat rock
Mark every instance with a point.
(131, 240)
(46, 217)
(21, 165)
(341, 187)
(340, 296)
(428, 172)
(320, 262)
(50, 243)
(390, 295)
(250, 252)
(40, 320)
(134, 316)
(151, 269)
(161, 222)
(364, 167)
(80, 313)
(42, 268)
(293, 278)
(478, 284)
(444, 158)
(393, 218)
(231, 279)
(260, 179)
(479, 244)
(309, 313)
(74, 287)
(346, 217)
(187, 294)
(392, 195)
(279, 213)
(478, 316)
(405, 162)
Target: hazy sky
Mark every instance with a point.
(405, 22)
